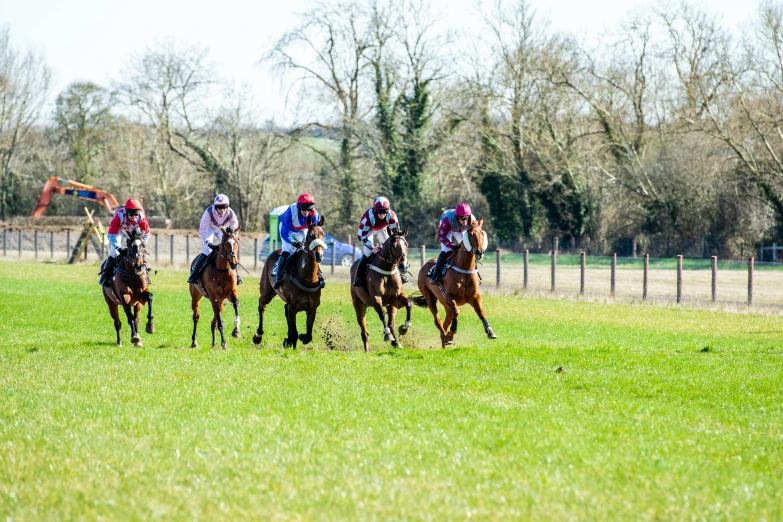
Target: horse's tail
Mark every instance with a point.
(419, 300)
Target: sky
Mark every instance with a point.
(90, 40)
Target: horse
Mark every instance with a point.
(459, 285)
(300, 291)
(128, 288)
(217, 283)
(383, 288)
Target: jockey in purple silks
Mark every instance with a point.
(373, 225)
(217, 215)
(453, 223)
(293, 230)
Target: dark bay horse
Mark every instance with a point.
(217, 283)
(128, 288)
(460, 285)
(383, 289)
(301, 289)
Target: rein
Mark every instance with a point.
(393, 263)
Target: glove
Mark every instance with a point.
(455, 247)
(296, 244)
(376, 249)
(213, 247)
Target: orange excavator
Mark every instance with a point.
(73, 188)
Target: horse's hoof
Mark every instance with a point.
(256, 339)
(402, 330)
(305, 338)
(194, 344)
(150, 328)
(136, 339)
(236, 333)
(388, 337)
(222, 346)
(138, 344)
(447, 343)
(396, 344)
(491, 334)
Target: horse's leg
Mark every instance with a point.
(115, 314)
(234, 297)
(378, 307)
(452, 311)
(217, 309)
(131, 322)
(432, 304)
(136, 315)
(391, 311)
(361, 318)
(150, 325)
(403, 302)
(476, 304)
(308, 336)
(290, 315)
(215, 315)
(195, 300)
(267, 294)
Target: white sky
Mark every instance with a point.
(91, 39)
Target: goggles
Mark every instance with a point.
(133, 212)
(221, 207)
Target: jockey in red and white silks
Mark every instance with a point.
(372, 226)
(215, 216)
(125, 219)
(453, 224)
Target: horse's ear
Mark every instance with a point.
(321, 222)
(481, 221)
(237, 230)
(405, 231)
(223, 229)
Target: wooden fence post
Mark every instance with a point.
(423, 252)
(613, 279)
(750, 281)
(679, 279)
(333, 255)
(5, 242)
(525, 258)
(20, 242)
(171, 249)
(187, 248)
(255, 255)
(35, 241)
(582, 272)
(714, 278)
(51, 245)
(156, 247)
(646, 272)
(68, 243)
(554, 267)
(497, 261)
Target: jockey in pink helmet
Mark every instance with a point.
(215, 216)
(373, 225)
(453, 223)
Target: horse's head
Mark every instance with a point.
(314, 241)
(229, 245)
(475, 239)
(396, 248)
(135, 251)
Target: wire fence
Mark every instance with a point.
(679, 279)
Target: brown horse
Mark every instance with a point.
(383, 288)
(128, 288)
(458, 286)
(217, 283)
(300, 291)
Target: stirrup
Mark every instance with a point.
(404, 278)
(358, 282)
(239, 279)
(278, 282)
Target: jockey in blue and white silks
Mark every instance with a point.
(293, 230)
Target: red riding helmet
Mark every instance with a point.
(381, 203)
(133, 204)
(305, 201)
(463, 209)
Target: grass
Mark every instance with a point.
(579, 411)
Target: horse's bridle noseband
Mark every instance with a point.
(394, 262)
(233, 266)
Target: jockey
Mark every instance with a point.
(453, 223)
(293, 229)
(215, 216)
(125, 219)
(373, 225)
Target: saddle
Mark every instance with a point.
(446, 264)
(289, 264)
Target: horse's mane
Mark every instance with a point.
(134, 234)
(230, 230)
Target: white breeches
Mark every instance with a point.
(380, 235)
(454, 237)
(209, 240)
(297, 236)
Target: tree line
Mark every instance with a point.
(665, 132)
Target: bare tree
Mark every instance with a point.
(24, 85)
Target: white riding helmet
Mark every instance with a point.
(221, 199)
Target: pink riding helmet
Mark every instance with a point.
(463, 209)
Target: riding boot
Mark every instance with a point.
(281, 269)
(198, 267)
(107, 270)
(438, 268)
(321, 278)
(360, 272)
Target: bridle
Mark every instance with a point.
(401, 258)
(232, 240)
(477, 251)
(312, 245)
(138, 268)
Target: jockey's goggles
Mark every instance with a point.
(382, 212)
(133, 212)
(306, 206)
(221, 207)
(462, 218)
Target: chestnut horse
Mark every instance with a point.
(217, 283)
(383, 288)
(301, 288)
(128, 288)
(459, 285)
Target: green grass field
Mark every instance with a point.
(580, 410)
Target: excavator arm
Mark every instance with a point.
(72, 188)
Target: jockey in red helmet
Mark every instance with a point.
(215, 216)
(453, 223)
(125, 219)
(373, 225)
(293, 229)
